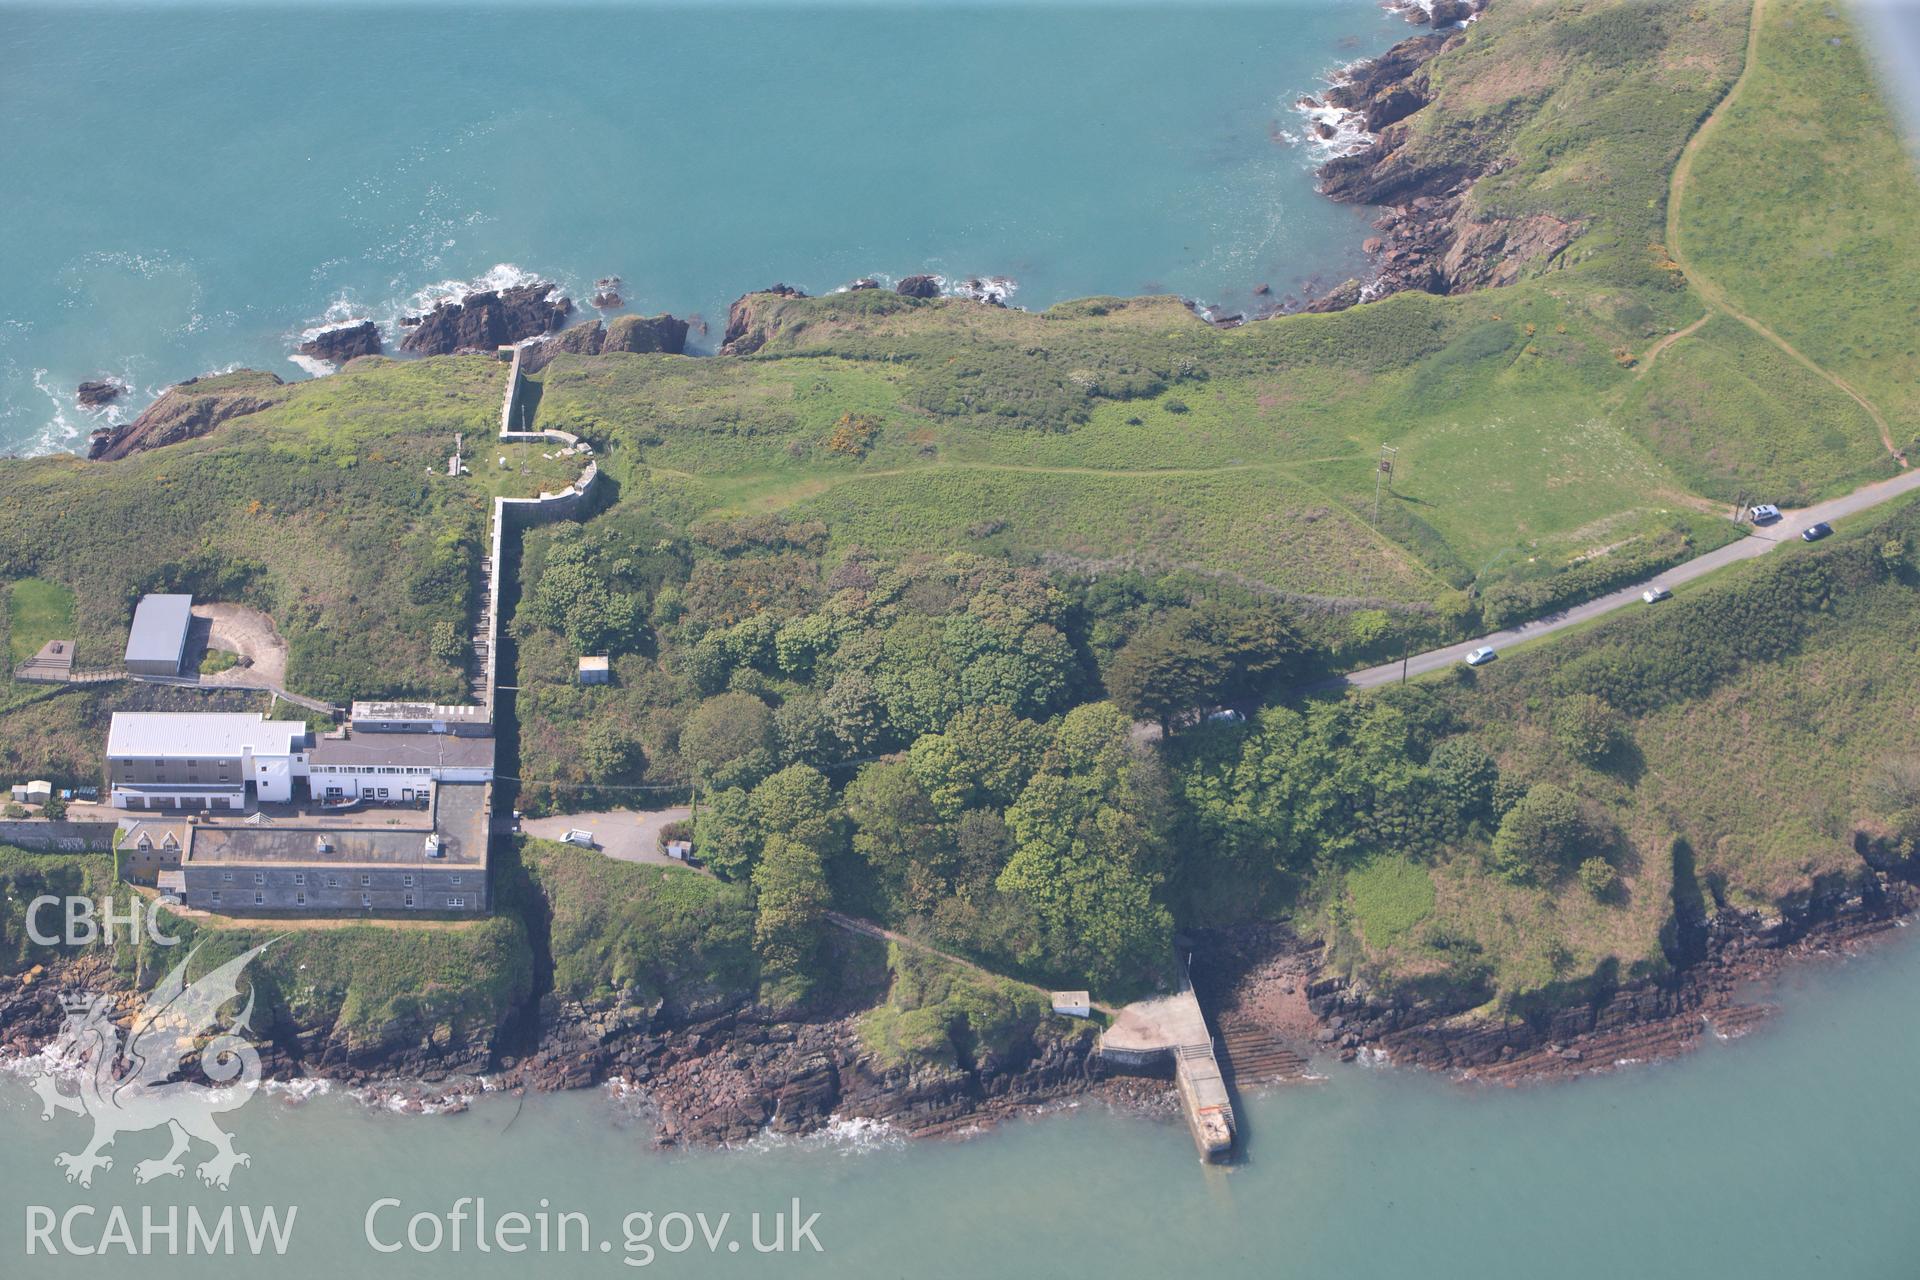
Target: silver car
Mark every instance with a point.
(1481, 656)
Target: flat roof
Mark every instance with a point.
(159, 631)
(198, 734)
(594, 663)
(459, 819)
(474, 714)
(432, 750)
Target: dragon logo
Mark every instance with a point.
(134, 1089)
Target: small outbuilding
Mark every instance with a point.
(157, 643)
(680, 850)
(597, 669)
(1073, 1004)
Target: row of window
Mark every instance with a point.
(366, 899)
(333, 882)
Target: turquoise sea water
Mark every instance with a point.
(189, 187)
(1789, 1153)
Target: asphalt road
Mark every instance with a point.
(1757, 543)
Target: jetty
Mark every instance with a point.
(1149, 1036)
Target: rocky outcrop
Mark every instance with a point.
(606, 293)
(343, 342)
(487, 320)
(187, 410)
(726, 1078)
(662, 333)
(1432, 236)
(1715, 964)
(748, 327)
(99, 392)
(919, 287)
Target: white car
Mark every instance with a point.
(576, 836)
(1654, 595)
(1766, 513)
(1481, 656)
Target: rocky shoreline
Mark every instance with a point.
(1269, 977)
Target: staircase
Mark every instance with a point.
(1250, 1054)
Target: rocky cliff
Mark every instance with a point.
(662, 333)
(186, 410)
(487, 320)
(748, 326)
(1433, 237)
(343, 342)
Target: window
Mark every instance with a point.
(216, 897)
(259, 899)
(333, 882)
(456, 902)
(409, 899)
(365, 881)
(407, 881)
(226, 875)
(366, 899)
(299, 877)
(300, 899)
(259, 877)
(453, 879)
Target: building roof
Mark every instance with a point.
(201, 734)
(410, 711)
(594, 662)
(459, 819)
(431, 750)
(159, 631)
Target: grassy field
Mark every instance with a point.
(37, 611)
(1748, 785)
(1804, 207)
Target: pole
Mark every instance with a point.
(1405, 657)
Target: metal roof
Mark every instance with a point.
(163, 735)
(159, 629)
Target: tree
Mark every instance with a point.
(1201, 657)
(1540, 834)
(574, 598)
(791, 897)
(729, 740)
(805, 733)
(445, 642)
(1586, 727)
(55, 808)
(725, 835)
(610, 754)
(797, 802)
(1597, 876)
(984, 758)
(1465, 774)
(854, 709)
(895, 827)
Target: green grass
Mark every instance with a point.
(1805, 207)
(37, 611)
(1735, 416)
(218, 660)
(943, 1014)
(1390, 895)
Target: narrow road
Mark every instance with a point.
(1757, 543)
(1711, 292)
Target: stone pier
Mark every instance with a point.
(1171, 1031)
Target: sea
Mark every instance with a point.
(183, 189)
(1789, 1152)
(191, 188)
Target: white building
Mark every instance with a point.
(202, 760)
(394, 767)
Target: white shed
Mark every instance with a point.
(1073, 1004)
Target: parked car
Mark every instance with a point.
(1481, 656)
(1816, 531)
(1654, 595)
(1226, 715)
(1765, 513)
(576, 836)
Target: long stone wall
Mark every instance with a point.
(42, 836)
(510, 515)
